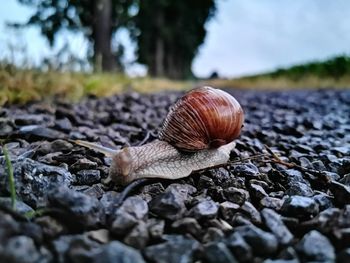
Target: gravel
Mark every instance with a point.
(294, 209)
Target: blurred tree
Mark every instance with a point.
(97, 19)
(168, 34)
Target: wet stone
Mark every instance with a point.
(175, 249)
(133, 210)
(228, 209)
(341, 192)
(87, 177)
(23, 249)
(34, 132)
(138, 236)
(239, 247)
(218, 253)
(206, 209)
(34, 180)
(271, 202)
(187, 225)
(262, 242)
(169, 205)
(276, 226)
(82, 209)
(315, 247)
(246, 170)
(235, 195)
(300, 206)
(248, 209)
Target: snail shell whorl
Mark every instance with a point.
(203, 118)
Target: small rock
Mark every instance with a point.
(204, 210)
(169, 205)
(187, 225)
(218, 253)
(262, 243)
(257, 191)
(271, 202)
(138, 236)
(276, 226)
(155, 228)
(20, 207)
(176, 249)
(228, 209)
(22, 249)
(299, 206)
(213, 234)
(84, 210)
(83, 164)
(33, 132)
(323, 201)
(235, 195)
(344, 256)
(133, 210)
(239, 247)
(88, 177)
(341, 192)
(315, 247)
(116, 251)
(248, 209)
(246, 170)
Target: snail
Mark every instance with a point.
(197, 133)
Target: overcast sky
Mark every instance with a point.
(245, 37)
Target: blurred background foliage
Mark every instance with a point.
(167, 35)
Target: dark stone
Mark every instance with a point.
(169, 205)
(275, 224)
(344, 256)
(155, 228)
(83, 164)
(83, 210)
(20, 207)
(262, 243)
(228, 209)
(138, 236)
(218, 253)
(323, 201)
(271, 202)
(187, 225)
(257, 192)
(248, 209)
(299, 206)
(315, 247)
(23, 249)
(239, 247)
(33, 132)
(246, 170)
(175, 249)
(341, 192)
(204, 210)
(88, 177)
(34, 180)
(235, 195)
(116, 251)
(213, 234)
(133, 210)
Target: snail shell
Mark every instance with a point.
(203, 118)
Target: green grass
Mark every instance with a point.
(19, 86)
(11, 178)
(22, 85)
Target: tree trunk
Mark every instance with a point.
(102, 34)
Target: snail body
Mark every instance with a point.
(197, 133)
(159, 159)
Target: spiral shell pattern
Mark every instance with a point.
(203, 118)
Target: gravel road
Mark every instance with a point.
(290, 205)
